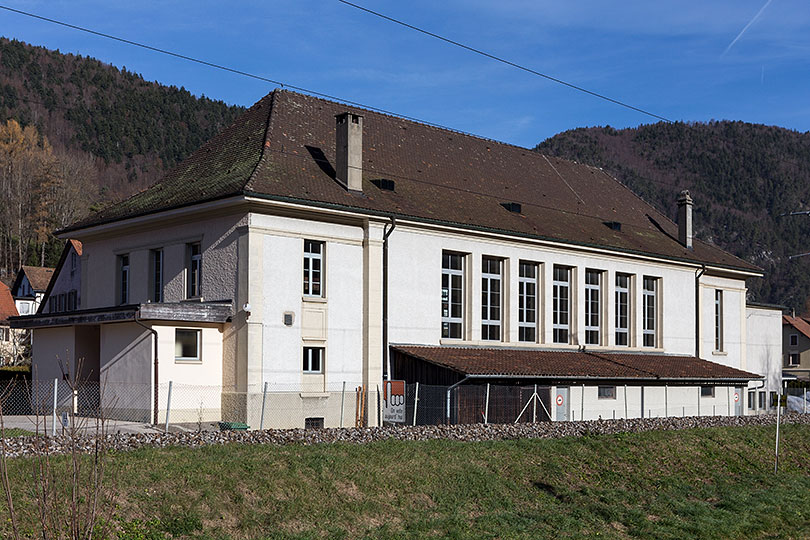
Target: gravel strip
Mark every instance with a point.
(28, 446)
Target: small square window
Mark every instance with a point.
(794, 340)
(751, 400)
(186, 345)
(607, 392)
(313, 423)
(707, 391)
(793, 359)
(762, 400)
(313, 359)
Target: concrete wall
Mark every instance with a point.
(733, 351)
(415, 286)
(764, 351)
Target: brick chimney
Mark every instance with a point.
(349, 150)
(685, 219)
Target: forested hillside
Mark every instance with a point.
(95, 126)
(742, 177)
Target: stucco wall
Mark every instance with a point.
(764, 349)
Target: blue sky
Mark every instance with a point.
(668, 57)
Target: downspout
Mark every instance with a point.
(386, 357)
(698, 273)
(155, 335)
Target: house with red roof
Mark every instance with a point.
(314, 246)
(796, 340)
(8, 336)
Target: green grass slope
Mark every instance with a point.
(701, 483)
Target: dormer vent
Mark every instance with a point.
(384, 184)
(614, 225)
(349, 150)
(512, 207)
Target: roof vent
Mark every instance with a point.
(614, 225)
(512, 207)
(384, 183)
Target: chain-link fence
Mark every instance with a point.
(351, 404)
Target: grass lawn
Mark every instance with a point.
(702, 483)
(17, 432)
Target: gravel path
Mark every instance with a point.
(21, 446)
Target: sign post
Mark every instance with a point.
(394, 401)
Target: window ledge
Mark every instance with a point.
(187, 361)
(314, 299)
(719, 353)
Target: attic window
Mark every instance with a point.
(384, 184)
(614, 225)
(512, 207)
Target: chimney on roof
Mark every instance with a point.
(349, 150)
(685, 219)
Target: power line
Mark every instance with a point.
(505, 61)
(224, 68)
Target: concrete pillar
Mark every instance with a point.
(372, 315)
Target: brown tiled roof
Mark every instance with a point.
(38, 276)
(798, 323)
(7, 306)
(77, 246)
(283, 148)
(510, 362)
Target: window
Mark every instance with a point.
(650, 301)
(527, 302)
(562, 304)
(794, 340)
(707, 391)
(793, 359)
(623, 310)
(313, 359)
(73, 264)
(123, 279)
(194, 271)
(73, 300)
(751, 401)
(4, 334)
(24, 308)
(52, 304)
(718, 320)
(490, 298)
(313, 268)
(761, 400)
(593, 314)
(60, 302)
(774, 400)
(186, 345)
(607, 392)
(452, 295)
(157, 275)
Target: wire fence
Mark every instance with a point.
(351, 404)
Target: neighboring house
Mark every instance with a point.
(8, 335)
(796, 346)
(764, 355)
(64, 290)
(309, 240)
(29, 288)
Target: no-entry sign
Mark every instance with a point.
(736, 397)
(560, 400)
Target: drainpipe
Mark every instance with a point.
(155, 336)
(698, 273)
(386, 357)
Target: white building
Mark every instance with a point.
(29, 288)
(309, 239)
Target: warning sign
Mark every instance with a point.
(394, 401)
(736, 397)
(560, 400)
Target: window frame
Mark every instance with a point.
(762, 403)
(791, 357)
(528, 327)
(491, 298)
(307, 358)
(194, 270)
(794, 340)
(310, 260)
(188, 359)
(606, 392)
(453, 280)
(557, 287)
(593, 306)
(650, 320)
(156, 265)
(123, 278)
(707, 391)
(718, 320)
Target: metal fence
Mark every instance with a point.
(349, 404)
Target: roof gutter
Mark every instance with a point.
(683, 380)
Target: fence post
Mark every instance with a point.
(778, 418)
(698, 389)
(625, 402)
(728, 399)
(666, 401)
(53, 422)
(582, 405)
(535, 397)
(486, 407)
(415, 403)
(168, 405)
(264, 399)
(342, 401)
